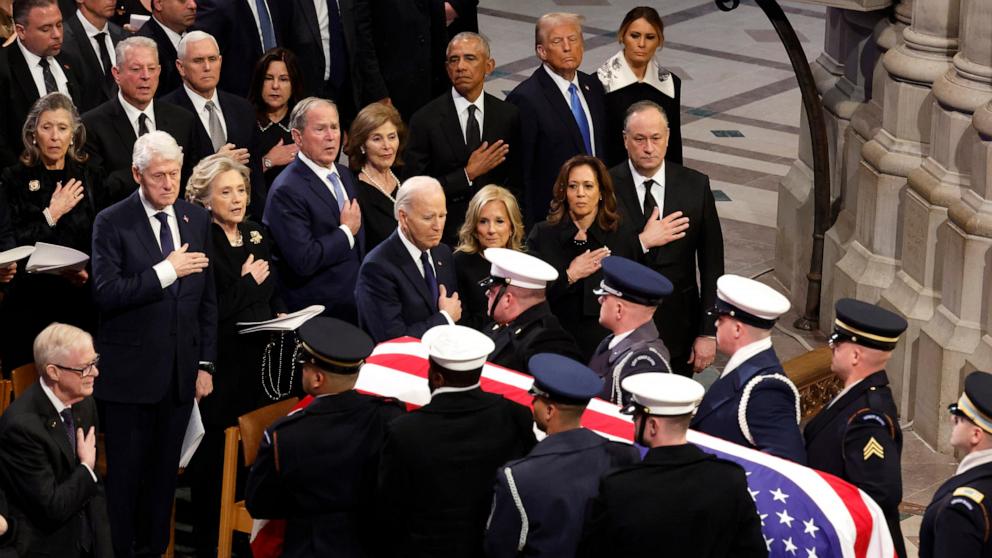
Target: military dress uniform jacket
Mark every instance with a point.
(317, 469)
(536, 330)
(680, 501)
(956, 522)
(771, 412)
(553, 485)
(858, 439)
(641, 351)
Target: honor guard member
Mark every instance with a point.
(753, 403)
(523, 324)
(956, 522)
(439, 462)
(317, 467)
(629, 295)
(679, 501)
(540, 501)
(857, 436)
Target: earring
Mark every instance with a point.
(362, 149)
(34, 142)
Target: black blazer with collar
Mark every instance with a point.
(50, 492)
(169, 78)
(392, 295)
(683, 313)
(77, 42)
(436, 147)
(550, 136)
(232, 23)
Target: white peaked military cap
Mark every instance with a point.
(662, 393)
(518, 269)
(749, 301)
(456, 347)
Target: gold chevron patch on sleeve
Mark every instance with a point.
(874, 448)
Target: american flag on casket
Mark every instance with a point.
(804, 513)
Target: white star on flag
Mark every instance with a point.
(768, 543)
(783, 517)
(779, 496)
(763, 516)
(811, 553)
(810, 528)
(753, 493)
(789, 547)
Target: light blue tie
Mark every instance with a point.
(338, 189)
(580, 117)
(265, 24)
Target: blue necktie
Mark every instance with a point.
(339, 55)
(165, 239)
(338, 189)
(580, 117)
(430, 278)
(265, 25)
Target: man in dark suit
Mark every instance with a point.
(91, 39)
(685, 242)
(753, 403)
(407, 284)
(439, 462)
(31, 67)
(225, 122)
(562, 111)
(157, 338)
(112, 127)
(170, 19)
(464, 137)
(245, 29)
(314, 217)
(48, 452)
(461, 16)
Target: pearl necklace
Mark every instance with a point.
(365, 171)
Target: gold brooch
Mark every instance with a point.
(34, 186)
(255, 237)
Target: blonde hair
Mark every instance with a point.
(468, 242)
(198, 188)
(554, 19)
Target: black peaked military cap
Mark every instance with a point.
(334, 345)
(866, 324)
(975, 402)
(562, 379)
(632, 281)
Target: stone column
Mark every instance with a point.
(979, 218)
(954, 258)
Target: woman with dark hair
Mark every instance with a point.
(582, 228)
(49, 194)
(375, 140)
(634, 75)
(276, 87)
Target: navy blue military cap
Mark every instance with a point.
(975, 402)
(334, 345)
(866, 324)
(562, 379)
(632, 281)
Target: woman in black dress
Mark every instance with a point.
(50, 198)
(634, 75)
(582, 228)
(375, 140)
(276, 87)
(246, 292)
(493, 220)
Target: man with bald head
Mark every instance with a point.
(407, 284)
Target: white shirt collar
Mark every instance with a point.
(974, 459)
(561, 82)
(843, 392)
(174, 37)
(412, 249)
(441, 390)
(56, 402)
(619, 337)
(616, 74)
(133, 112)
(745, 353)
(462, 104)
(659, 175)
(169, 210)
(320, 171)
(199, 101)
(31, 58)
(89, 27)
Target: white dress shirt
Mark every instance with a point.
(133, 114)
(33, 60)
(258, 22)
(200, 107)
(415, 254)
(745, 353)
(461, 109)
(563, 85)
(657, 189)
(324, 24)
(842, 393)
(618, 338)
(974, 459)
(322, 173)
(166, 273)
(174, 37)
(59, 407)
(91, 32)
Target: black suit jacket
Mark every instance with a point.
(78, 43)
(550, 135)
(438, 468)
(231, 22)
(436, 147)
(468, 17)
(52, 496)
(169, 78)
(18, 93)
(392, 295)
(682, 316)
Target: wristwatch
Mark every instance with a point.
(266, 163)
(207, 366)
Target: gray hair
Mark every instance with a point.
(554, 19)
(155, 145)
(131, 43)
(52, 102)
(55, 342)
(298, 118)
(470, 36)
(193, 37)
(641, 106)
(199, 186)
(410, 189)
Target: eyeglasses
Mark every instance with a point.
(83, 372)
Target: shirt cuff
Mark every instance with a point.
(92, 474)
(351, 237)
(447, 317)
(48, 217)
(643, 249)
(467, 179)
(166, 273)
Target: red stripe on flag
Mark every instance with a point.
(851, 497)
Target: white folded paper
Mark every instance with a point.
(52, 258)
(193, 436)
(137, 21)
(289, 322)
(15, 254)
